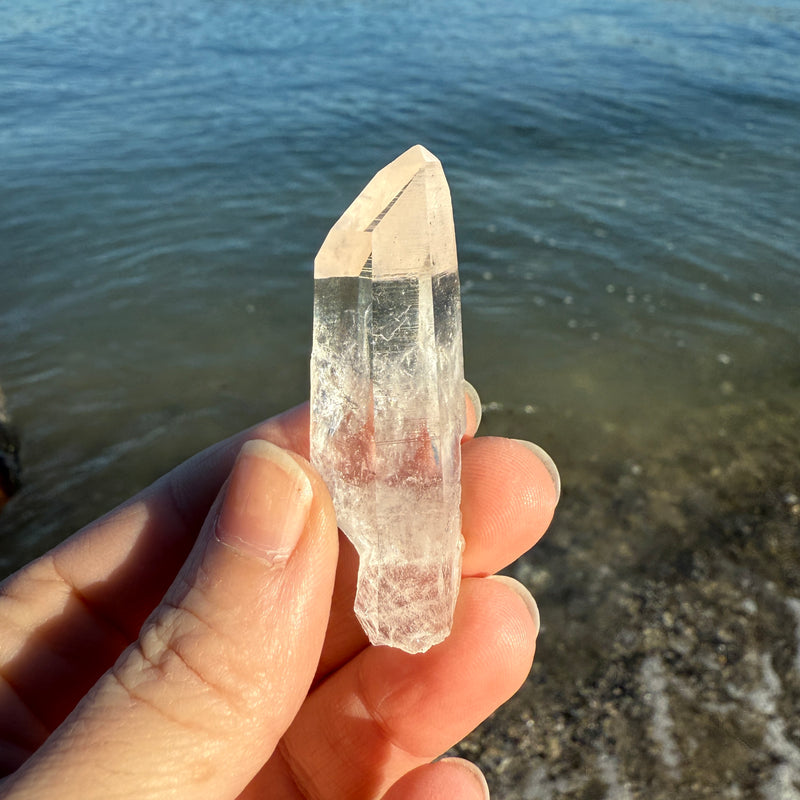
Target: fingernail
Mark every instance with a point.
(266, 504)
(523, 592)
(468, 766)
(473, 398)
(548, 462)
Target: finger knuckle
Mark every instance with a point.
(180, 666)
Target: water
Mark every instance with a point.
(624, 180)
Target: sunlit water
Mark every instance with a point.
(625, 186)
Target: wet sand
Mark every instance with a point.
(669, 589)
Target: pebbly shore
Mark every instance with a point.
(669, 589)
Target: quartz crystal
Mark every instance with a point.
(387, 398)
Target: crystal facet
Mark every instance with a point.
(387, 398)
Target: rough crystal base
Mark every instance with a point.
(407, 603)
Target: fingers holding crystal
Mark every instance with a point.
(509, 491)
(395, 709)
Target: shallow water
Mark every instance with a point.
(624, 182)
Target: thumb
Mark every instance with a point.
(197, 705)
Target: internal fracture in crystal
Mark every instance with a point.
(387, 398)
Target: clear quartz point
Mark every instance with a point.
(387, 398)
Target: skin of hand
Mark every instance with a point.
(199, 641)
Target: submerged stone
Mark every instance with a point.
(387, 398)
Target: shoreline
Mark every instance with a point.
(668, 661)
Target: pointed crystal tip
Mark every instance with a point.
(403, 216)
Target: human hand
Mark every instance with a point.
(247, 675)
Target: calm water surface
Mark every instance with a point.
(624, 180)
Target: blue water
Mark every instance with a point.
(624, 180)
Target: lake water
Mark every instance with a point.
(625, 187)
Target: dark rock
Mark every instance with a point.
(10, 469)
